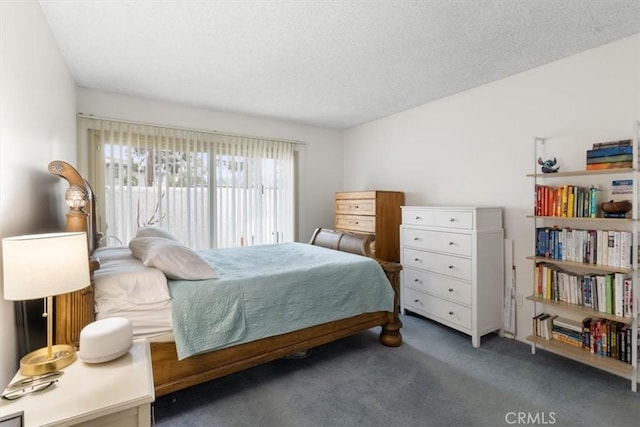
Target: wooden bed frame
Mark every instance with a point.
(76, 310)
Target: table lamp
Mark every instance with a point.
(42, 266)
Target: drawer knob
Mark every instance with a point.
(451, 243)
(452, 220)
(416, 259)
(418, 218)
(417, 280)
(450, 289)
(416, 239)
(416, 300)
(451, 313)
(451, 266)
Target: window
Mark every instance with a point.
(208, 189)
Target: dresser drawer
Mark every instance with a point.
(438, 218)
(356, 206)
(434, 284)
(366, 224)
(453, 243)
(432, 306)
(448, 265)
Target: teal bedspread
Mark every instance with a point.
(269, 290)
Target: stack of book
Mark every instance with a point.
(566, 201)
(610, 293)
(610, 155)
(568, 331)
(603, 247)
(598, 336)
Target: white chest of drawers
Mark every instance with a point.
(453, 266)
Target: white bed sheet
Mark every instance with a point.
(149, 321)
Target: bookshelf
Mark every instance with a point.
(581, 258)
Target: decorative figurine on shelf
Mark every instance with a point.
(621, 207)
(548, 165)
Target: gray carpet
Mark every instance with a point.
(436, 378)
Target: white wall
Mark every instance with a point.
(37, 125)
(320, 156)
(475, 148)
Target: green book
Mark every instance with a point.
(609, 292)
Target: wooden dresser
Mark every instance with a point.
(372, 212)
(453, 267)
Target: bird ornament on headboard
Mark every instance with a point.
(548, 165)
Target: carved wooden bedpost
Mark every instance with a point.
(75, 310)
(390, 334)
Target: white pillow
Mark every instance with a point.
(112, 253)
(124, 281)
(172, 258)
(155, 232)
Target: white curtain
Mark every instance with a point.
(208, 189)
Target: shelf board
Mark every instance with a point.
(585, 311)
(581, 173)
(576, 218)
(604, 363)
(581, 265)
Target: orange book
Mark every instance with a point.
(609, 165)
(565, 200)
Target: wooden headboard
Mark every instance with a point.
(359, 244)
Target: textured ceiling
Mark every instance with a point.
(328, 63)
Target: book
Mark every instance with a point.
(573, 341)
(628, 342)
(622, 343)
(594, 202)
(627, 298)
(609, 165)
(601, 302)
(546, 326)
(612, 159)
(608, 293)
(616, 248)
(622, 186)
(604, 327)
(610, 151)
(569, 324)
(623, 142)
(586, 333)
(537, 324)
(614, 215)
(626, 242)
(613, 340)
(595, 336)
(618, 294)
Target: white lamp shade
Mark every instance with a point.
(41, 265)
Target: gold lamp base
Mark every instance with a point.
(38, 362)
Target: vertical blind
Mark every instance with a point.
(208, 189)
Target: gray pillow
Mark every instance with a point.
(175, 260)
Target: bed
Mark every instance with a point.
(175, 368)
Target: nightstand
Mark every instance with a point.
(116, 393)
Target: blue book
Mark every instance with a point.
(610, 159)
(610, 151)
